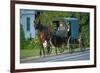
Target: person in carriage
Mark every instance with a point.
(61, 30)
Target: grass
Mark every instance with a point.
(24, 53)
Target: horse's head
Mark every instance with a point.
(38, 27)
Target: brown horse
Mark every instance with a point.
(44, 35)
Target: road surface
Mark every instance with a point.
(85, 55)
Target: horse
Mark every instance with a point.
(60, 37)
(49, 39)
(44, 35)
(57, 42)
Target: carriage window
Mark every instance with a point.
(28, 23)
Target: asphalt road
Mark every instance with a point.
(84, 55)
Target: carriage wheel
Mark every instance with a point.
(61, 50)
(72, 44)
(82, 43)
(69, 44)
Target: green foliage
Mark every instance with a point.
(22, 38)
(32, 43)
(46, 17)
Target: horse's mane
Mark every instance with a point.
(42, 27)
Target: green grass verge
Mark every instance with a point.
(24, 53)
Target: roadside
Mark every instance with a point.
(38, 58)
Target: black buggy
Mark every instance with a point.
(68, 30)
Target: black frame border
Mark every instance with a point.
(12, 35)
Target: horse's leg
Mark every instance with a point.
(51, 45)
(56, 50)
(62, 48)
(44, 47)
(48, 48)
(41, 50)
(44, 52)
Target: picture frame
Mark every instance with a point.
(16, 6)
